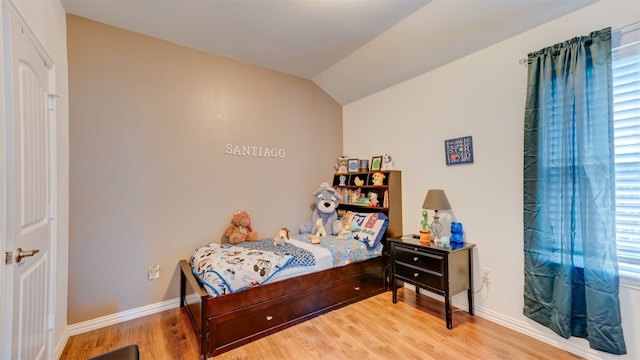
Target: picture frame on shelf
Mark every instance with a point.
(363, 165)
(342, 165)
(352, 165)
(376, 163)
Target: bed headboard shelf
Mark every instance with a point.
(387, 187)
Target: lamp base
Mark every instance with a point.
(436, 227)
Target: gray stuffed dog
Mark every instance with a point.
(327, 200)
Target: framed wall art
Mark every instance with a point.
(459, 151)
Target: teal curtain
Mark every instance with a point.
(571, 268)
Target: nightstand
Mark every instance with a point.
(444, 270)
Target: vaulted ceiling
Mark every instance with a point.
(350, 48)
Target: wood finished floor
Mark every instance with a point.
(374, 328)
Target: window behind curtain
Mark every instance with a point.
(626, 114)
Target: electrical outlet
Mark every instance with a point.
(154, 271)
(487, 276)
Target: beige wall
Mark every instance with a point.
(149, 177)
(482, 95)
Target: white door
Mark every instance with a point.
(29, 206)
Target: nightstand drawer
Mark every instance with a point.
(423, 260)
(420, 276)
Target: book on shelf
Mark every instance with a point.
(385, 199)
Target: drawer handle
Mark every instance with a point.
(415, 258)
(357, 288)
(415, 274)
(269, 317)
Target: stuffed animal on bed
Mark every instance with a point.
(240, 229)
(345, 233)
(320, 232)
(282, 237)
(327, 200)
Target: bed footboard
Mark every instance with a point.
(192, 299)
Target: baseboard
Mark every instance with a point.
(61, 344)
(116, 318)
(575, 346)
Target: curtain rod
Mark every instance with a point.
(628, 28)
(623, 30)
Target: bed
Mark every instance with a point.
(227, 315)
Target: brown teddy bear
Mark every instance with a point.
(240, 229)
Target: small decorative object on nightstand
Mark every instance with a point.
(456, 233)
(425, 236)
(444, 270)
(425, 231)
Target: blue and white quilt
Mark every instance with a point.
(226, 268)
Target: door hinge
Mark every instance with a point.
(51, 322)
(52, 100)
(8, 257)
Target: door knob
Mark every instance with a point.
(22, 254)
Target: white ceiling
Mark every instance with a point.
(350, 48)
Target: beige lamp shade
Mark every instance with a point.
(436, 200)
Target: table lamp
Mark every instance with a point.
(436, 200)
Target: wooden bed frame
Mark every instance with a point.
(232, 320)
